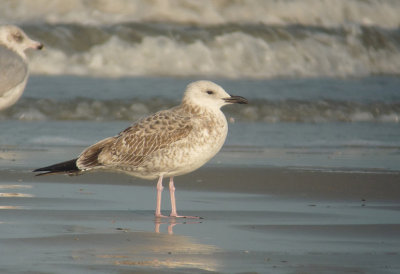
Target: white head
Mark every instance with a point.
(15, 39)
(210, 95)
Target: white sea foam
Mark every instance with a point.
(231, 55)
(296, 111)
(254, 39)
(384, 13)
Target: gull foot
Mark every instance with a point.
(186, 217)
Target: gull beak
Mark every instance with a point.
(36, 45)
(236, 100)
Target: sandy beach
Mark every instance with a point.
(278, 198)
(307, 181)
(261, 220)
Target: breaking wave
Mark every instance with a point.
(232, 51)
(289, 110)
(233, 39)
(383, 13)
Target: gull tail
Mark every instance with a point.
(67, 167)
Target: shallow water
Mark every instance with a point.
(304, 123)
(28, 145)
(317, 100)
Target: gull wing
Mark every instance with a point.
(13, 69)
(134, 144)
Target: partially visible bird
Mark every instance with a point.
(14, 71)
(169, 143)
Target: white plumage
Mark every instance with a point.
(166, 144)
(14, 71)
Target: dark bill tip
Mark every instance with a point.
(236, 100)
(40, 46)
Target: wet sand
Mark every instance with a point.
(264, 220)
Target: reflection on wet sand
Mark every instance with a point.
(11, 207)
(122, 247)
(14, 195)
(64, 229)
(14, 186)
(118, 247)
(171, 222)
(160, 250)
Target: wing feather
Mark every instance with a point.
(13, 69)
(134, 144)
(149, 135)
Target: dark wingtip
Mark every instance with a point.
(68, 167)
(41, 169)
(43, 173)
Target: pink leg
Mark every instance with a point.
(172, 195)
(159, 193)
(173, 201)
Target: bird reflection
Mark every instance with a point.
(136, 250)
(171, 223)
(121, 248)
(160, 250)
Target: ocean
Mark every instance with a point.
(323, 85)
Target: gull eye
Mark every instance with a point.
(18, 37)
(210, 92)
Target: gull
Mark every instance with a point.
(14, 71)
(168, 143)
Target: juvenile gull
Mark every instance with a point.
(14, 69)
(168, 143)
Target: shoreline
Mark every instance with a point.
(326, 184)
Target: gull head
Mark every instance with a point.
(209, 95)
(16, 39)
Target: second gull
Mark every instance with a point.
(14, 71)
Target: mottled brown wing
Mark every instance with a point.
(153, 133)
(89, 157)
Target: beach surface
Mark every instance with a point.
(261, 220)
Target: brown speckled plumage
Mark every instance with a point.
(158, 143)
(168, 143)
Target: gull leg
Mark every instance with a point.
(172, 196)
(159, 193)
(173, 201)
